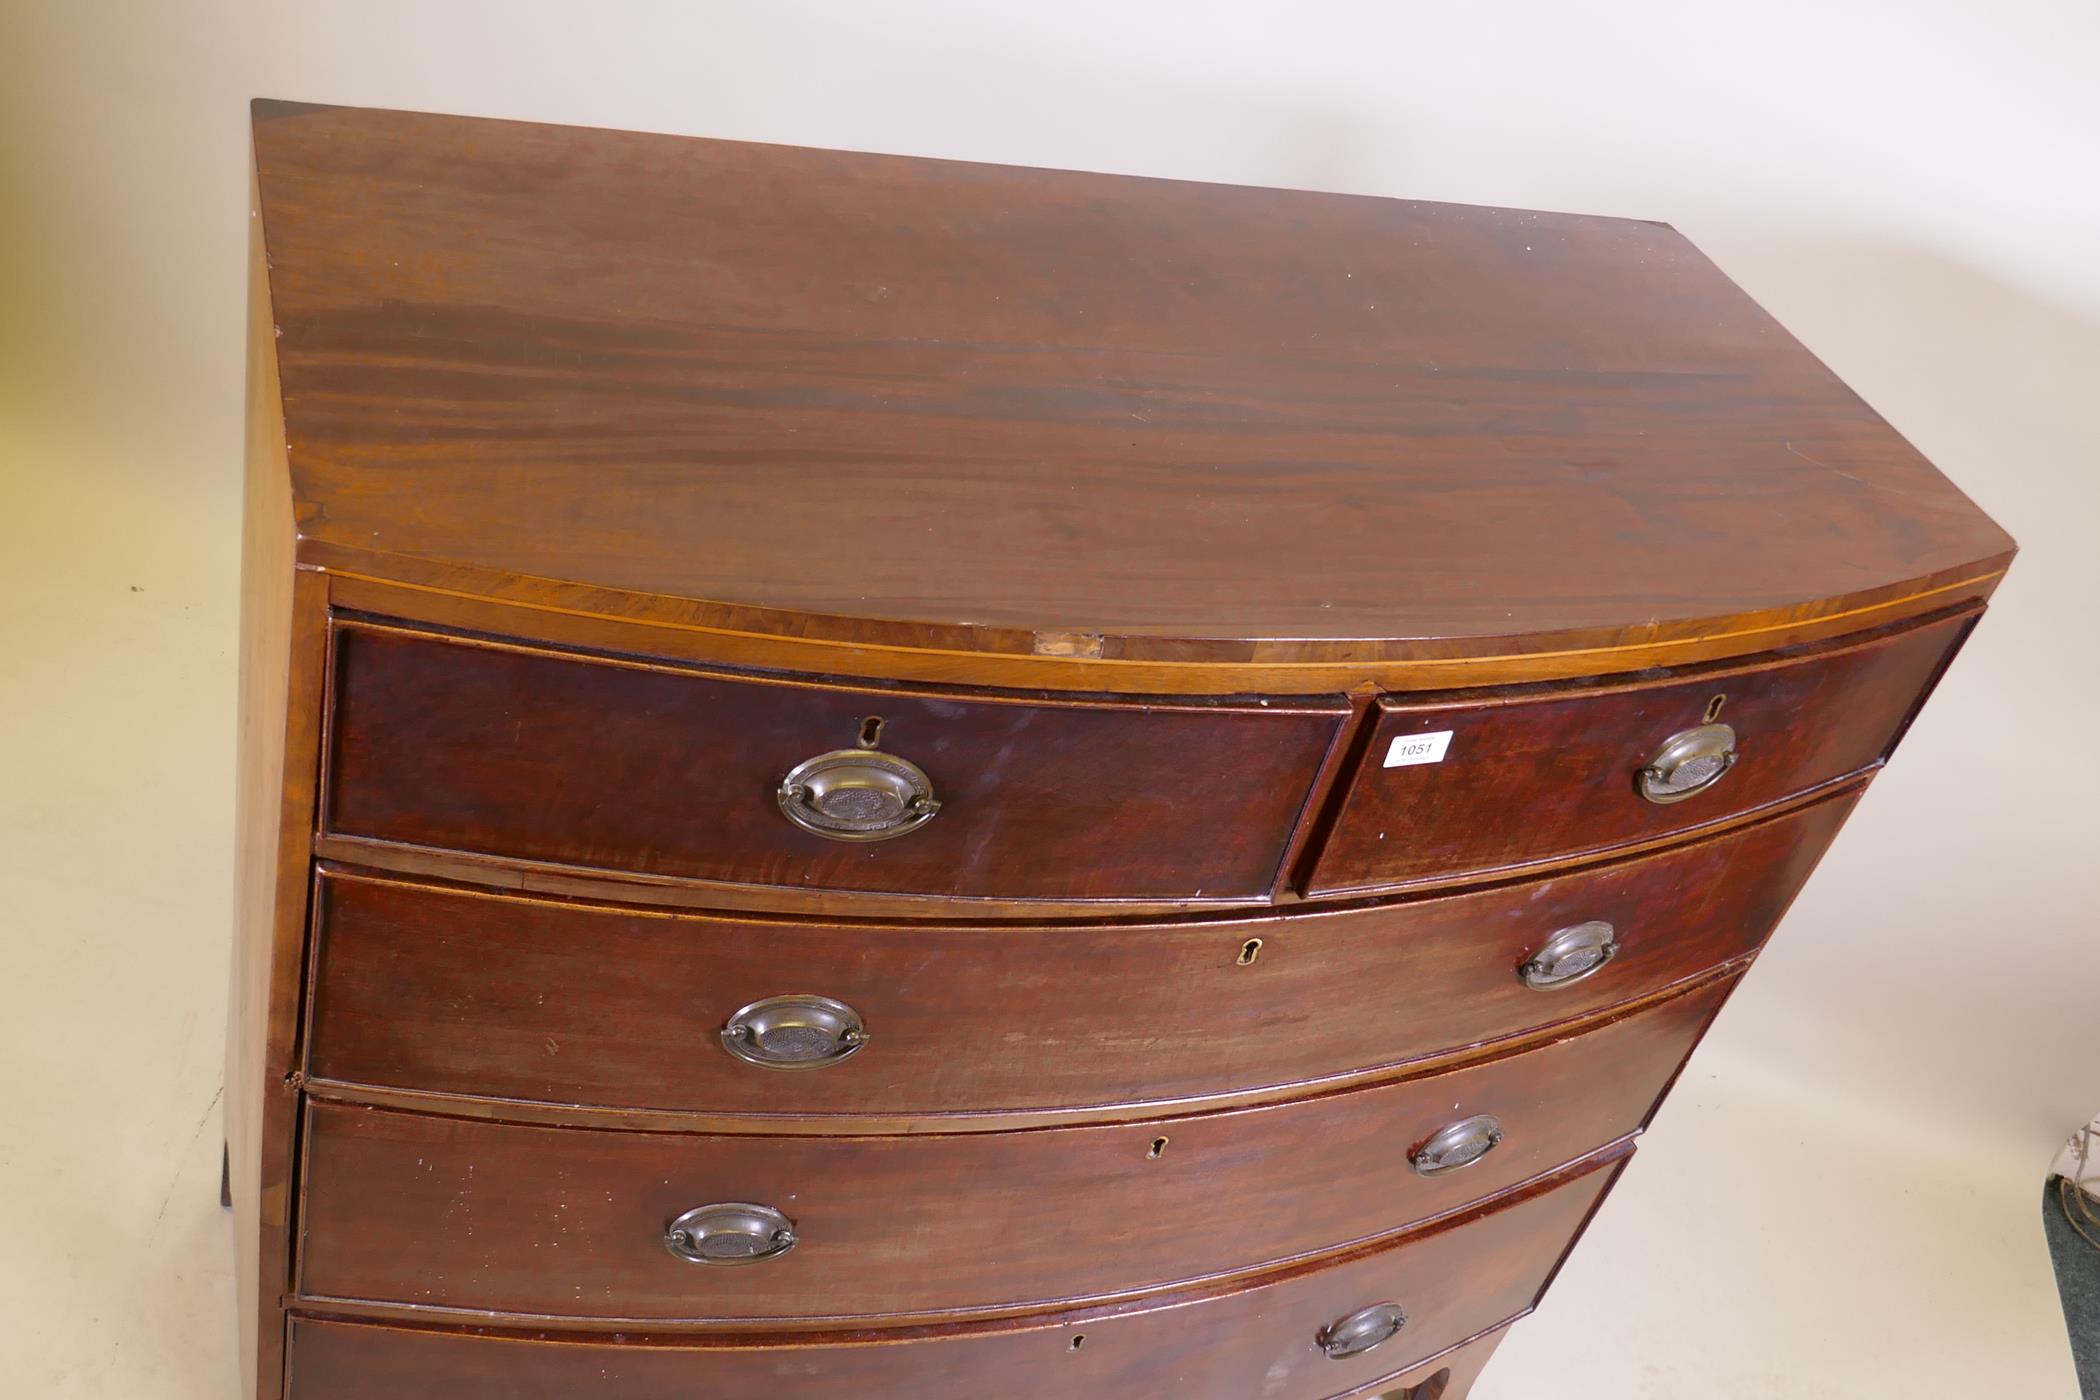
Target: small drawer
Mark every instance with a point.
(561, 1222)
(1498, 781)
(1452, 1284)
(508, 997)
(669, 772)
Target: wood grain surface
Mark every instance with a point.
(596, 479)
(655, 770)
(444, 1213)
(947, 410)
(1540, 774)
(1455, 1281)
(283, 656)
(455, 991)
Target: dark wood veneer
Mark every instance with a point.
(1570, 756)
(477, 1216)
(597, 479)
(1446, 1377)
(587, 761)
(467, 992)
(1456, 1281)
(1111, 433)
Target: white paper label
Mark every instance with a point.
(1417, 748)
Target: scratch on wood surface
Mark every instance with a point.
(195, 1133)
(1849, 476)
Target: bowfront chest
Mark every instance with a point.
(872, 776)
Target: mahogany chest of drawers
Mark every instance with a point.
(867, 776)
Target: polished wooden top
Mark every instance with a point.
(1036, 426)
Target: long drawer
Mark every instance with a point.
(601, 763)
(1496, 781)
(1449, 1284)
(562, 1222)
(462, 992)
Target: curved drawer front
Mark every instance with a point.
(461, 1213)
(432, 989)
(1453, 1283)
(1497, 782)
(356, 1361)
(661, 771)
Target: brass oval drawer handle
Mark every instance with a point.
(1456, 1146)
(1688, 763)
(1570, 955)
(1361, 1330)
(730, 1232)
(794, 1032)
(858, 795)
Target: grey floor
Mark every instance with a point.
(2077, 1261)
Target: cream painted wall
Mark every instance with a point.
(1912, 187)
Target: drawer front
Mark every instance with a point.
(338, 1360)
(549, 1221)
(1452, 1283)
(1446, 1377)
(1496, 782)
(471, 993)
(659, 771)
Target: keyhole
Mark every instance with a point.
(1713, 708)
(1078, 1341)
(871, 732)
(1249, 951)
(1159, 1146)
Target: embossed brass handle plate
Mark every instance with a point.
(730, 1232)
(1687, 764)
(1456, 1146)
(802, 1031)
(1570, 955)
(858, 795)
(1361, 1330)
